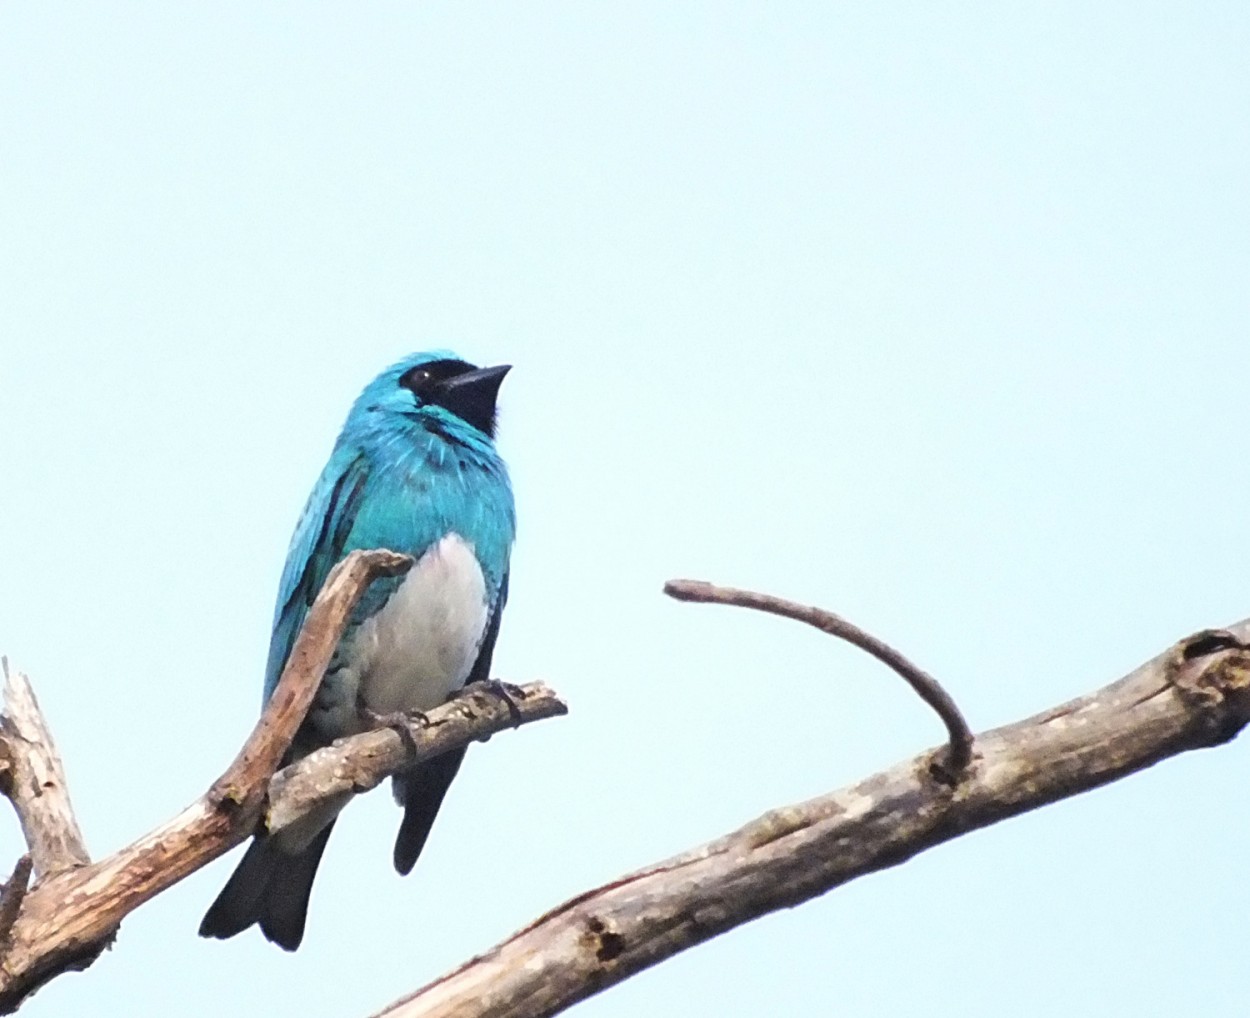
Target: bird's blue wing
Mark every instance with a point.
(318, 543)
(405, 508)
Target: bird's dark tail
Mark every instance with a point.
(269, 887)
(420, 791)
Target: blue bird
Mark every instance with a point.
(415, 470)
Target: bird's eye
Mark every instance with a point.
(416, 380)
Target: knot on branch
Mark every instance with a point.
(1211, 672)
(950, 764)
(604, 940)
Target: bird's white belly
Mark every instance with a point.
(410, 656)
(421, 646)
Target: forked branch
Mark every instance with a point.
(73, 911)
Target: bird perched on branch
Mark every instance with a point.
(414, 470)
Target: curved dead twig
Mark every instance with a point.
(926, 686)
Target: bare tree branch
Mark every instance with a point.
(926, 686)
(67, 918)
(11, 898)
(72, 914)
(34, 781)
(244, 782)
(1196, 694)
(362, 762)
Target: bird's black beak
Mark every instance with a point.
(484, 380)
(471, 396)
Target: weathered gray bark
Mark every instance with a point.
(32, 777)
(1197, 694)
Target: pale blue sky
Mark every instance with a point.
(936, 315)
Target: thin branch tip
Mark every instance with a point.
(688, 590)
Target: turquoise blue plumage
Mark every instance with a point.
(415, 469)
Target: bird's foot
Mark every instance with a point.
(399, 721)
(506, 692)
